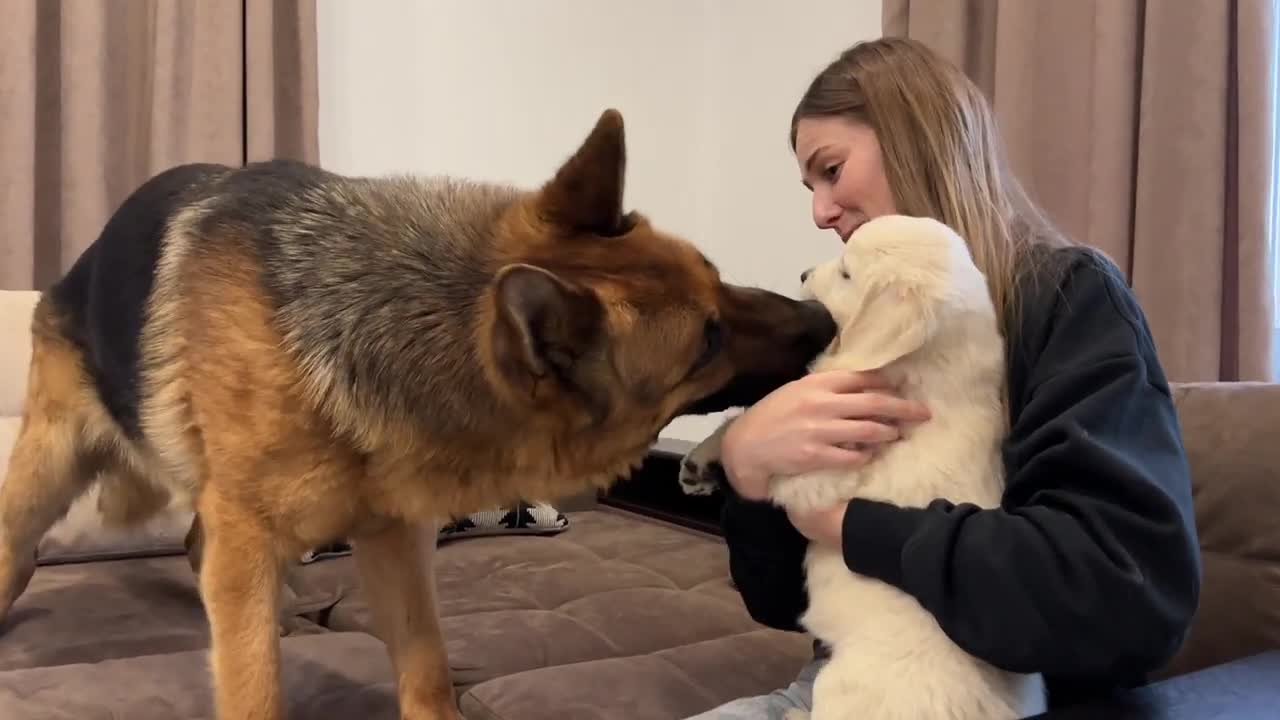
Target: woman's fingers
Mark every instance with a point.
(878, 405)
(850, 432)
(864, 395)
(827, 456)
(866, 406)
(830, 419)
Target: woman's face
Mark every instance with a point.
(840, 163)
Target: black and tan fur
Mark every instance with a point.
(303, 357)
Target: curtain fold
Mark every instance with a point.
(1145, 129)
(99, 96)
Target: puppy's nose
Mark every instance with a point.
(804, 276)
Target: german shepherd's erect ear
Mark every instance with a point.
(545, 320)
(585, 195)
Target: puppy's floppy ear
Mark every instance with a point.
(891, 322)
(585, 195)
(543, 323)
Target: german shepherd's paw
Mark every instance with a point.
(15, 575)
(445, 714)
(439, 711)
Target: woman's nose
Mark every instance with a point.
(826, 214)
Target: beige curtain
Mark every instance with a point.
(98, 95)
(1146, 129)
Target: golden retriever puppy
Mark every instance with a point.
(910, 303)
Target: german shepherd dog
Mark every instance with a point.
(302, 357)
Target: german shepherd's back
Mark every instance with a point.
(334, 257)
(301, 356)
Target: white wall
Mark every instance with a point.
(505, 89)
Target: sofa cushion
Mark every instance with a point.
(674, 683)
(81, 536)
(612, 587)
(1229, 431)
(330, 675)
(84, 613)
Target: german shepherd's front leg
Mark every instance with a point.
(395, 571)
(240, 587)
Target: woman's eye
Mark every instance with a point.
(832, 172)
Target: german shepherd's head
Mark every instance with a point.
(603, 320)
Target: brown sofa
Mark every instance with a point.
(616, 616)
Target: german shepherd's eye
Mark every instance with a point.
(712, 340)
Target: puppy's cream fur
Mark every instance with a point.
(909, 302)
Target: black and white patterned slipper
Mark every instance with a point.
(524, 519)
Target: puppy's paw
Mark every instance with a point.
(700, 471)
(796, 714)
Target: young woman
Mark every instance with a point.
(1089, 571)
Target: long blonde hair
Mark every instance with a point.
(941, 153)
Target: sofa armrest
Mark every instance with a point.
(1244, 688)
(16, 308)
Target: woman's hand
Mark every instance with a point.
(823, 420)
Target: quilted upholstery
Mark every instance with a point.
(616, 617)
(329, 675)
(611, 594)
(89, 612)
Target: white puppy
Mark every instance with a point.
(909, 302)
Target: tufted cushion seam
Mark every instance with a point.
(1260, 556)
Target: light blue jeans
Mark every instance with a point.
(799, 694)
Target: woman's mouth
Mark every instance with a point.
(844, 236)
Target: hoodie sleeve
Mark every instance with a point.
(1090, 567)
(766, 560)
